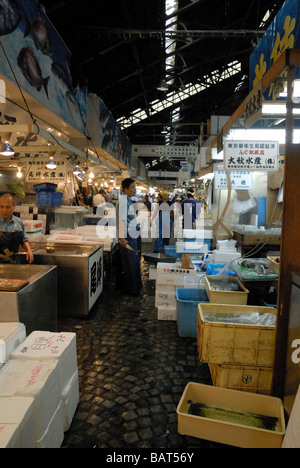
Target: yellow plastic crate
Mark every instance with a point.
(243, 378)
(230, 433)
(226, 297)
(236, 344)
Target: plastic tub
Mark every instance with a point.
(45, 187)
(187, 310)
(171, 250)
(214, 269)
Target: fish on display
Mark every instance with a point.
(31, 69)
(10, 16)
(40, 34)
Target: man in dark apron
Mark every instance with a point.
(12, 232)
(128, 238)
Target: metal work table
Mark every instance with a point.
(35, 305)
(79, 277)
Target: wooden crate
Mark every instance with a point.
(226, 297)
(236, 344)
(226, 432)
(244, 378)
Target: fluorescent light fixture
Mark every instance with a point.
(163, 86)
(164, 131)
(277, 109)
(6, 149)
(263, 134)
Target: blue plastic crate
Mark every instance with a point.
(49, 198)
(214, 269)
(187, 310)
(45, 187)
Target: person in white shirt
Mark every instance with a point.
(99, 200)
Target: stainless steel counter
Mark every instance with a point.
(35, 305)
(80, 275)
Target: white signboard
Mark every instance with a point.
(95, 276)
(251, 155)
(240, 180)
(37, 172)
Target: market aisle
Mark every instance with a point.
(133, 369)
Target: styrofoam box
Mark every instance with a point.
(172, 274)
(70, 400)
(33, 226)
(11, 335)
(54, 434)
(38, 379)
(191, 247)
(19, 412)
(167, 314)
(165, 296)
(197, 234)
(50, 345)
(221, 256)
(10, 436)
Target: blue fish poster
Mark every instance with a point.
(283, 34)
(34, 57)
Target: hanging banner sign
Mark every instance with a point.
(240, 180)
(251, 155)
(282, 34)
(37, 172)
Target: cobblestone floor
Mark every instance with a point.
(133, 370)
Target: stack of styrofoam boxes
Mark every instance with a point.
(225, 252)
(31, 212)
(44, 368)
(169, 276)
(16, 414)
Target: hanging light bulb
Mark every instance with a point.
(19, 173)
(51, 164)
(91, 175)
(76, 170)
(6, 149)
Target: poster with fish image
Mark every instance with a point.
(112, 139)
(34, 57)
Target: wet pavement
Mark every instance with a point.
(133, 369)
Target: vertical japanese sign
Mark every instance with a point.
(95, 276)
(37, 171)
(251, 155)
(253, 106)
(282, 34)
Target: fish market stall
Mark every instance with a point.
(28, 294)
(80, 275)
